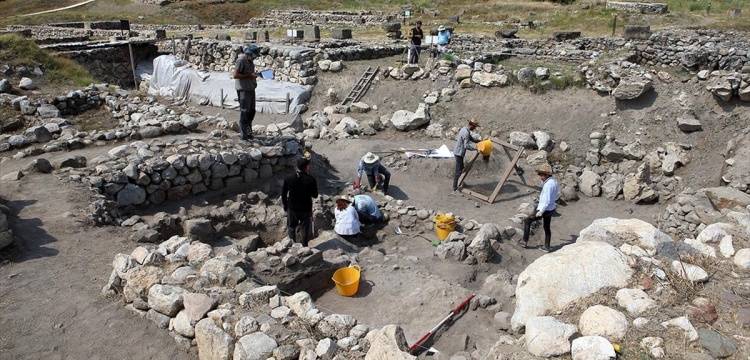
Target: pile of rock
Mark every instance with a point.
(635, 314)
(727, 84)
(622, 79)
(612, 169)
(204, 297)
(6, 234)
(693, 210)
(139, 118)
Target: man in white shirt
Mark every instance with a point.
(545, 209)
(464, 142)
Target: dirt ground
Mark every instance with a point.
(50, 280)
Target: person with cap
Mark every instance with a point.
(297, 193)
(443, 39)
(367, 209)
(545, 209)
(245, 83)
(347, 219)
(416, 41)
(464, 142)
(377, 174)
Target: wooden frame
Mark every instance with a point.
(507, 147)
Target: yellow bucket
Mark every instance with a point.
(485, 147)
(347, 280)
(444, 225)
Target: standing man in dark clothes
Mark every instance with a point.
(464, 141)
(244, 82)
(296, 196)
(416, 41)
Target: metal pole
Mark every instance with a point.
(132, 63)
(221, 102)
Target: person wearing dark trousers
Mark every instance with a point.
(245, 83)
(296, 196)
(416, 41)
(377, 175)
(464, 142)
(545, 209)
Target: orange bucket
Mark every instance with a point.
(485, 147)
(347, 280)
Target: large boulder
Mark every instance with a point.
(592, 348)
(630, 89)
(721, 88)
(388, 343)
(547, 337)
(600, 320)
(404, 120)
(578, 270)
(166, 299)
(489, 79)
(213, 342)
(255, 346)
(590, 184)
(624, 231)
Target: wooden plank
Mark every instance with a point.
(506, 174)
(506, 144)
(476, 195)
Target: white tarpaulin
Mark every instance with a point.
(175, 78)
(442, 153)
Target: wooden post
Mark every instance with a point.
(173, 46)
(614, 25)
(288, 102)
(132, 63)
(221, 102)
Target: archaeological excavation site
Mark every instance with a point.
(525, 180)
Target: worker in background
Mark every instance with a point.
(416, 35)
(464, 141)
(245, 83)
(377, 175)
(367, 209)
(297, 193)
(443, 39)
(347, 218)
(545, 209)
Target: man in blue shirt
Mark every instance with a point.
(464, 142)
(443, 39)
(546, 207)
(367, 209)
(377, 174)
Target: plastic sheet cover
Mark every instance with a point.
(176, 79)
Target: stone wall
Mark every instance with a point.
(643, 8)
(112, 64)
(304, 17)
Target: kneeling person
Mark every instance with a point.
(367, 209)
(347, 219)
(377, 174)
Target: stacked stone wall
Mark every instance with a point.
(112, 64)
(643, 8)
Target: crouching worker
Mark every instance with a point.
(347, 219)
(367, 209)
(377, 175)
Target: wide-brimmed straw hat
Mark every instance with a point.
(441, 27)
(474, 122)
(346, 198)
(544, 169)
(370, 158)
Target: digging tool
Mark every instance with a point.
(437, 327)
(433, 242)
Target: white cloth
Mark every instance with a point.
(347, 221)
(548, 196)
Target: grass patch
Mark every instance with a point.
(16, 50)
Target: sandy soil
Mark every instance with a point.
(50, 280)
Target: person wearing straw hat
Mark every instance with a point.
(377, 174)
(347, 219)
(443, 39)
(297, 193)
(464, 142)
(545, 209)
(245, 83)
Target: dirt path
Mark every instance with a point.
(49, 291)
(59, 9)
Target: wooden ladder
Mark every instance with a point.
(361, 86)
